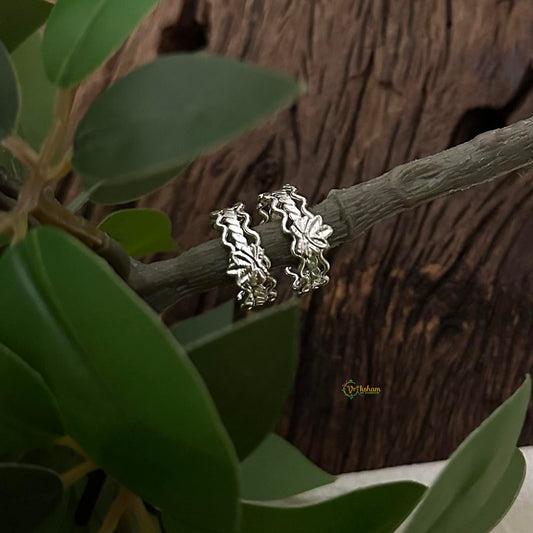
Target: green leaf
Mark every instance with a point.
(5, 240)
(127, 392)
(501, 499)
(118, 191)
(277, 470)
(9, 94)
(63, 519)
(474, 471)
(37, 92)
(20, 18)
(377, 509)
(28, 494)
(249, 369)
(82, 34)
(29, 415)
(140, 231)
(193, 329)
(56, 457)
(163, 115)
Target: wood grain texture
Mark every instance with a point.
(436, 305)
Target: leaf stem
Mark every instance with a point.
(17, 219)
(78, 472)
(34, 200)
(119, 506)
(50, 211)
(146, 524)
(38, 166)
(22, 151)
(62, 168)
(82, 198)
(56, 137)
(69, 442)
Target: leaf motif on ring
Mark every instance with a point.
(248, 267)
(311, 235)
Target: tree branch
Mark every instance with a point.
(351, 212)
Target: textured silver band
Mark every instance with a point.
(309, 236)
(248, 263)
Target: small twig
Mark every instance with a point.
(119, 506)
(49, 211)
(61, 169)
(56, 137)
(351, 212)
(22, 151)
(146, 524)
(28, 200)
(78, 472)
(83, 197)
(16, 221)
(69, 442)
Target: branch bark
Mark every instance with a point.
(351, 212)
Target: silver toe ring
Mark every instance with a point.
(308, 232)
(248, 263)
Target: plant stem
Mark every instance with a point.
(62, 168)
(78, 472)
(119, 506)
(17, 219)
(28, 200)
(82, 198)
(34, 200)
(69, 442)
(50, 211)
(38, 166)
(144, 520)
(56, 137)
(22, 151)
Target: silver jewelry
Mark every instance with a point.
(248, 263)
(309, 236)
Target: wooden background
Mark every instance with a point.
(433, 306)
